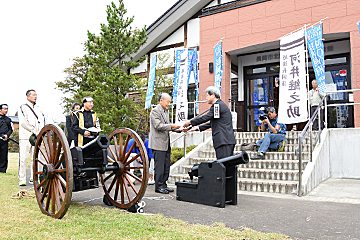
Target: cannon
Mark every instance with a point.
(59, 171)
(216, 184)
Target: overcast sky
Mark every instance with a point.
(39, 39)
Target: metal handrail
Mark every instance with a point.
(304, 133)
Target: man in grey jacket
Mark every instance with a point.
(159, 142)
(31, 121)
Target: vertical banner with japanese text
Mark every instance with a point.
(315, 45)
(292, 89)
(181, 101)
(196, 77)
(177, 73)
(218, 65)
(150, 88)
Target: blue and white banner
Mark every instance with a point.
(181, 101)
(150, 89)
(177, 73)
(358, 27)
(316, 49)
(292, 88)
(218, 65)
(191, 58)
(196, 77)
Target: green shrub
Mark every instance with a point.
(178, 153)
(14, 147)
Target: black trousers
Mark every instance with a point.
(162, 167)
(3, 156)
(316, 121)
(224, 151)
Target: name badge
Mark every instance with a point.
(216, 111)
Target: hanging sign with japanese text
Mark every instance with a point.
(218, 65)
(181, 102)
(292, 89)
(177, 73)
(196, 77)
(150, 88)
(315, 45)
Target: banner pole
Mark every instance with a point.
(307, 73)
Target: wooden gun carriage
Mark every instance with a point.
(59, 170)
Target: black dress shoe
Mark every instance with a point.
(169, 189)
(259, 156)
(163, 191)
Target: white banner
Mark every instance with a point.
(182, 103)
(292, 96)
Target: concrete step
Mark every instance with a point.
(287, 148)
(273, 186)
(245, 184)
(268, 155)
(268, 174)
(261, 164)
(274, 164)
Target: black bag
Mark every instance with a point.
(248, 146)
(32, 139)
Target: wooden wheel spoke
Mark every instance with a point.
(112, 184)
(131, 185)
(49, 195)
(45, 191)
(57, 151)
(41, 184)
(117, 150)
(43, 152)
(134, 176)
(122, 191)
(60, 190)
(56, 198)
(110, 160)
(120, 144)
(127, 191)
(117, 188)
(61, 160)
(61, 179)
(123, 159)
(110, 175)
(113, 154)
(60, 170)
(47, 149)
(53, 197)
(131, 160)
(37, 173)
(128, 168)
(51, 140)
(39, 161)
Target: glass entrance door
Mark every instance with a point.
(261, 90)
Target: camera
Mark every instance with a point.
(263, 116)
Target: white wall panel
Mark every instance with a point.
(176, 37)
(193, 32)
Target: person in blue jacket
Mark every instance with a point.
(139, 162)
(276, 136)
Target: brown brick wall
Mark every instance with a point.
(267, 22)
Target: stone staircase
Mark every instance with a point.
(277, 173)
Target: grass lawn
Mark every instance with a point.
(22, 219)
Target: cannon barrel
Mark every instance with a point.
(100, 142)
(241, 158)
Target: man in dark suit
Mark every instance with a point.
(70, 133)
(220, 121)
(159, 142)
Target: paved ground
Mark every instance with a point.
(331, 211)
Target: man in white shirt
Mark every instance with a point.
(315, 99)
(31, 121)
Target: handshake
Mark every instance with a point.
(184, 126)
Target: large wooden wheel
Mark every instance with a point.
(53, 171)
(118, 184)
